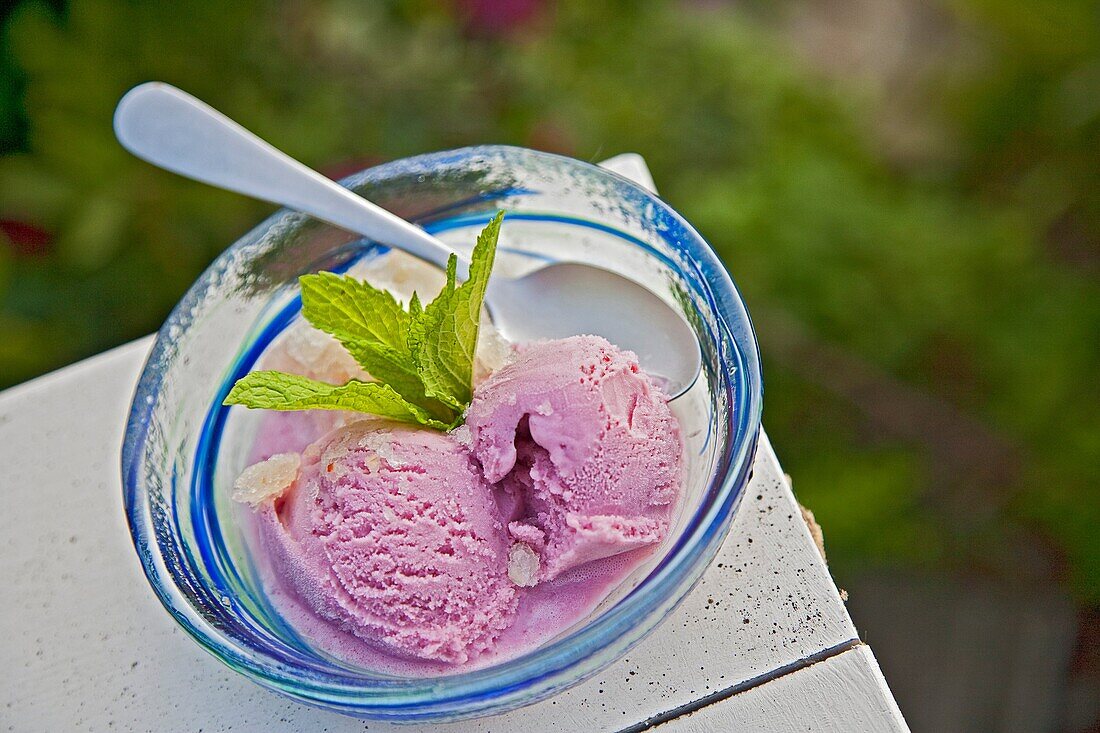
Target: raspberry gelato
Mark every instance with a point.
(584, 447)
(391, 533)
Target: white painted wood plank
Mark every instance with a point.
(842, 694)
(88, 646)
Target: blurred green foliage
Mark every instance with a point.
(930, 323)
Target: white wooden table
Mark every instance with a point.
(764, 643)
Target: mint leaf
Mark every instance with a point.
(444, 337)
(393, 367)
(271, 390)
(373, 326)
(439, 381)
(353, 310)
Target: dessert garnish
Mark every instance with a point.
(421, 358)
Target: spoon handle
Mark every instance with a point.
(171, 129)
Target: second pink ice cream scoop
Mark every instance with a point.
(586, 450)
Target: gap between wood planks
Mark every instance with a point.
(728, 692)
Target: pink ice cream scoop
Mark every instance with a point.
(391, 533)
(586, 450)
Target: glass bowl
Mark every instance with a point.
(182, 449)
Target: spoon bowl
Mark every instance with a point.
(601, 303)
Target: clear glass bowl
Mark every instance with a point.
(182, 449)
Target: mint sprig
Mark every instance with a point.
(422, 357)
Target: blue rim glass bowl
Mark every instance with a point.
(181, 451)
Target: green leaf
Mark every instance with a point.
(444, 337)
(393, 367)
(373, 327)
(348, 308)
(278, 391)
(440, 381)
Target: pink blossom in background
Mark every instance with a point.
(497, 17)
(25, 239)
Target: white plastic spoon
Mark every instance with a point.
(171, 129)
